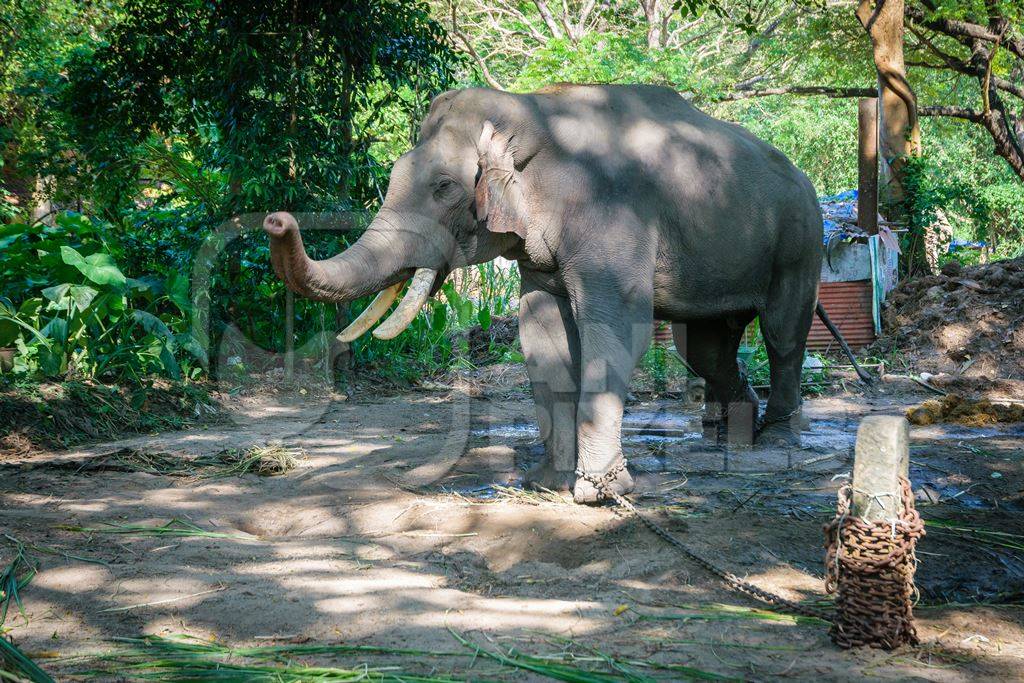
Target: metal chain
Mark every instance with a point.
(603, 485)
(870, 568)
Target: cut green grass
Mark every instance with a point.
(175, 527)
(267, 461)
(15, 665)
(186, 658)
(46, 550)
(15, 576)
(621, 670)
(999, 539)
(742, 646)
(719, 612)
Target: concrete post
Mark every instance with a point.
(881, 457)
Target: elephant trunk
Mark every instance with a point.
(368, 266)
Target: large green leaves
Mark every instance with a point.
(61, 296)
(99, 268)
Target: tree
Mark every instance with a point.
(37, 38)
(265, 93)
(899, 131)
(984, 41)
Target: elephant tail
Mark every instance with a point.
(861, 372)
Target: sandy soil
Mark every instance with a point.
(391, 532)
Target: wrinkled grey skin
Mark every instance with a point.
(621, 204)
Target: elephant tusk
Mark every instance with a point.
(412, 302)
(371, 314)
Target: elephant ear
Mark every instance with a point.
(499, 190)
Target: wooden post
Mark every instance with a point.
(881, 457)
(289, 335)
(867, 164)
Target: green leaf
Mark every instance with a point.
(169, 363)
(465, 312)
(57, 293)
(81, 295)
(9, 331)
(99, 267)
(152, 324)
(484, 318)
(177, 287)
(438, 319)
(57, 330)
(191, 345)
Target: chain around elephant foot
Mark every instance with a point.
(780, 432)
(593, 488)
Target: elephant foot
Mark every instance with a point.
(544, 476)
(778, 435)
(586, 493)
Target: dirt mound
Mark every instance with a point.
(61, 415)
(966, 322)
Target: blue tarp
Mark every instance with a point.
(839, 214)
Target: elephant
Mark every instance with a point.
(621, 204)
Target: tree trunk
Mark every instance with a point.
(898, 130)
(899, 134)
(655, 28)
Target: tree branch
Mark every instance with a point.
(963, 31)
(548, 17)
(953, 112)
(822, 90)
(464, 39)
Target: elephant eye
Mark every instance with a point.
(444, 187)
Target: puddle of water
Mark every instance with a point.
(962, 433)
(949, 494)
(639, 426)
(514, 430)
(480, 492)
(666, 439)
(829, 435)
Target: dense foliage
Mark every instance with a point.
(143, 141)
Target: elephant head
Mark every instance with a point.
(456, 198)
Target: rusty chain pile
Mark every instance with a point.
(870, 567)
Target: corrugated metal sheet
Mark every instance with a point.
(848, 304)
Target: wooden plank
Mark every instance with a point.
(867, 164)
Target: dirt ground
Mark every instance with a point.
(395, 531)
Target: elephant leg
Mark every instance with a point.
(785, 322)
(710, 346)
(551, 349)
(613, 335)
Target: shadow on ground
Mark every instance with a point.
(404, 522)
